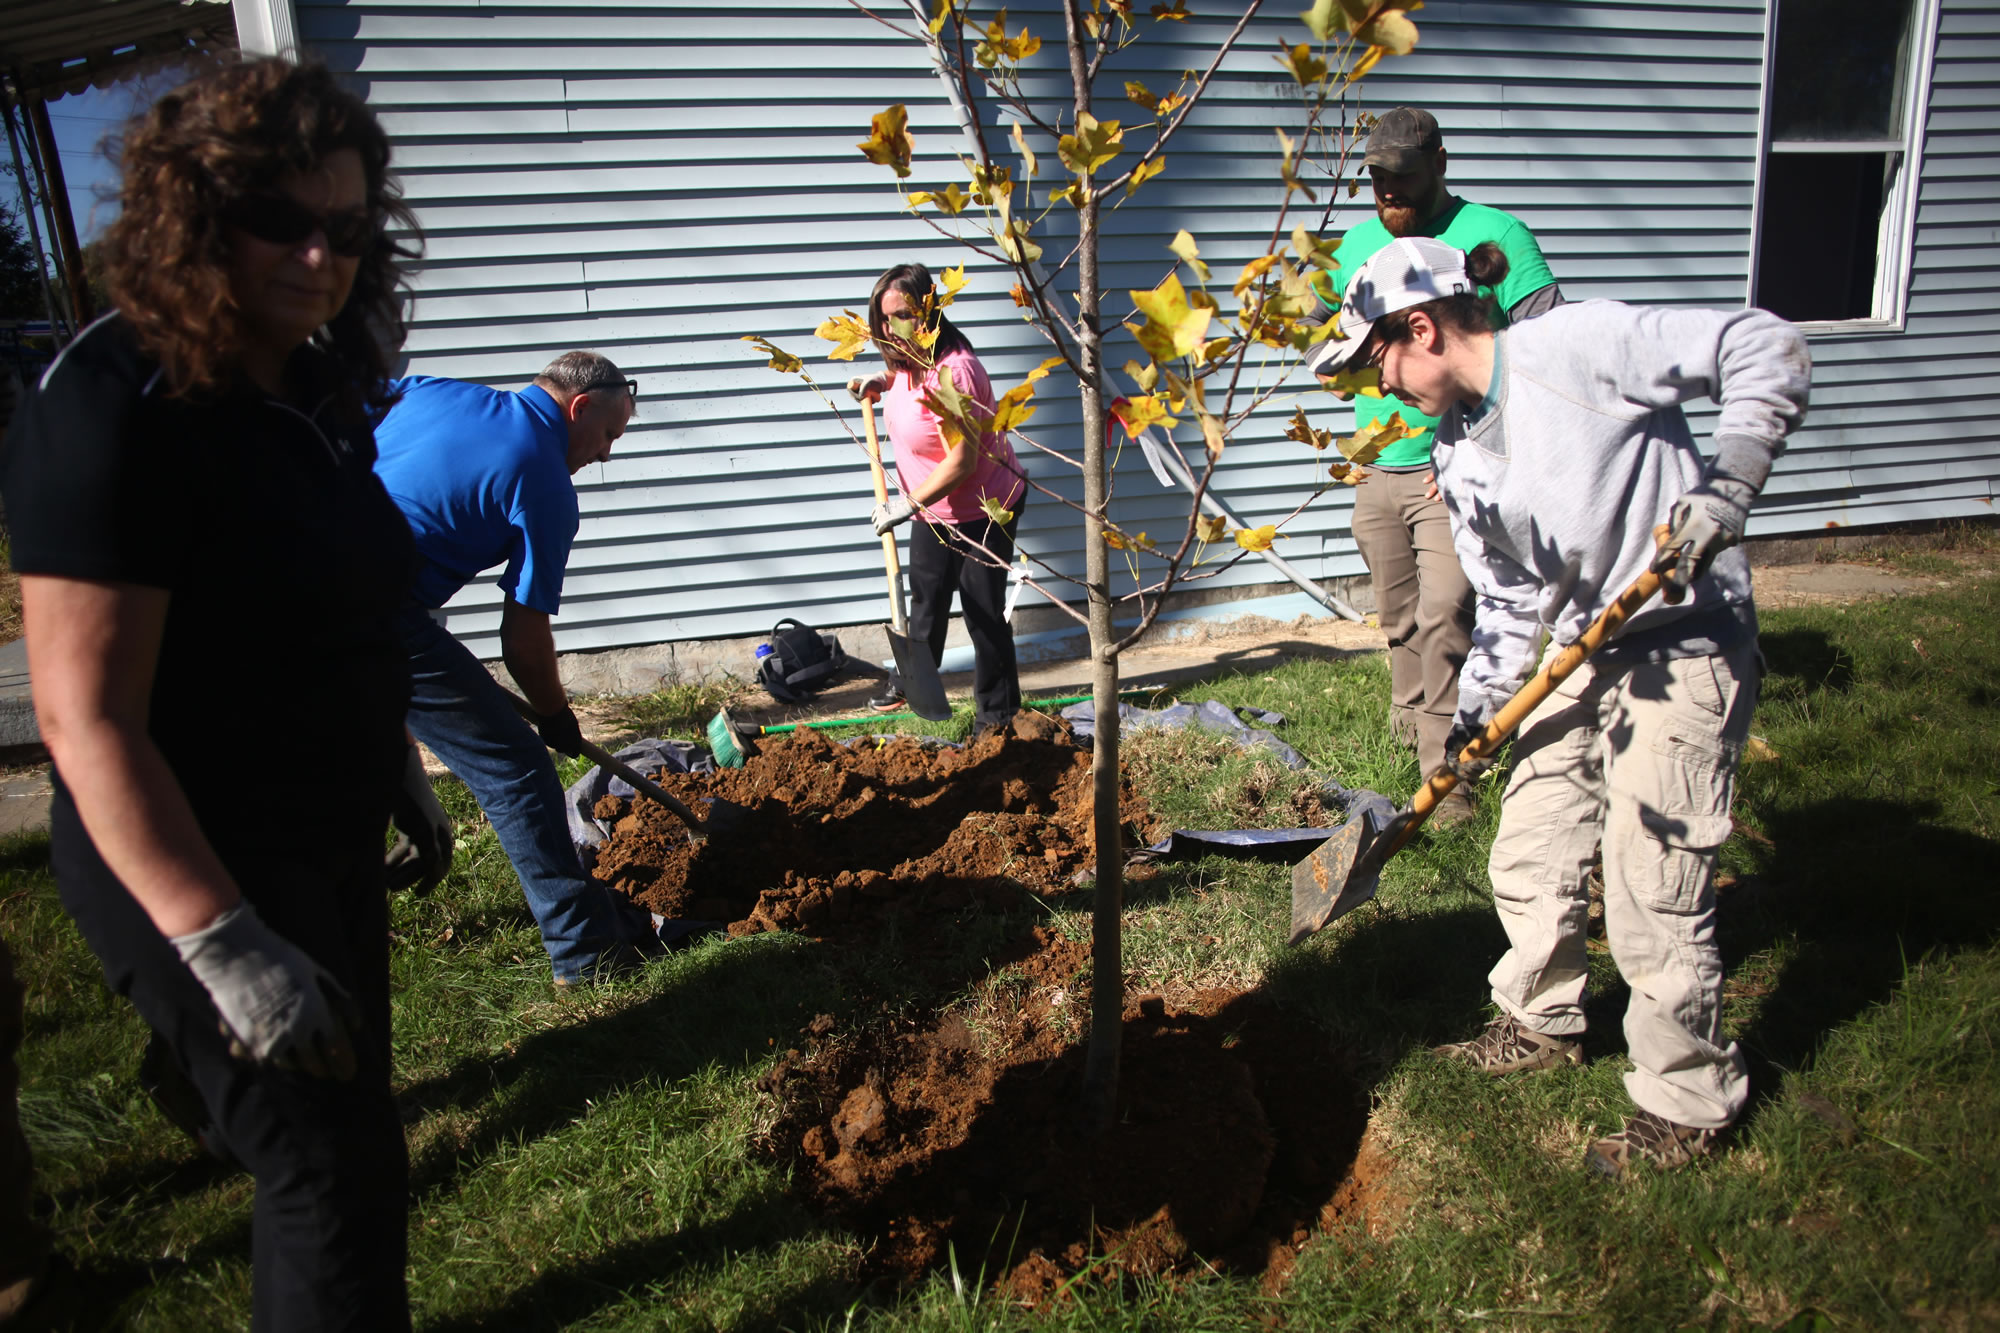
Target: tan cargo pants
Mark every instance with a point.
(1423, 601)
(1645, 760)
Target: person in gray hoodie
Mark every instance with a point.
(1562, 446)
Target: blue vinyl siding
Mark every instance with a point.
(657, 179)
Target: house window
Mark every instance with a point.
(1843, 133)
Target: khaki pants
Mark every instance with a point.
(1645, 760)
(1423, 601)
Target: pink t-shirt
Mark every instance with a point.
(920, 448)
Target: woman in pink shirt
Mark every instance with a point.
(956, 546)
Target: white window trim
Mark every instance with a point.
(267, 28)
(1896, 245)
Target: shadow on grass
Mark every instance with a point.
(1811, 657)
(1861, 889)
(559, 1297)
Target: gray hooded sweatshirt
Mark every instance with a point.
(1556, 481)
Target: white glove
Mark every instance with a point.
(897, 509)
(278, 1006)
(869, 388)
(1704, 523)
(422, 853)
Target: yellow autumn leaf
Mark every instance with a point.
(1021, 296)
(1313, 250)
(846, 332)
(1307, 68)
(1136, 414)
(1028, 159)
(781, 361)
(1209, 528)
(1287, 167)
(999, 47)
(1258, 539)
(1168, 104)
(940, 11)
(1212, 435)
(1175, 325)
(890, 144)
(1041, 372)
(1094, 143)
(959, 418)
(950, 199)
(1121, 542)
(1136, 91)
(1369, 60)
(953, 282)
(1214, 350)
(1147, 377)
(1177, 11)
(990, 186)
(1015, 407)
(1304, 432)
(1391, 30)
(1015, 243)
(1346, 472)
(1323, 20)
(1184, 249)
(1252, 271)
(1365, 444)
(1144, 172)
(996, 511)
(1348, 382)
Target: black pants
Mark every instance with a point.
(24, 1246)
(329, 1228)
(942, 562)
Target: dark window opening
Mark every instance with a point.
(1817, 240)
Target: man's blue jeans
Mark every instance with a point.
(463, 715)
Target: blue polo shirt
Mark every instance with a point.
(482, 475)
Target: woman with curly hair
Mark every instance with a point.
(204, 547)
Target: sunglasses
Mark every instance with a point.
(631, 388)
(283, 220)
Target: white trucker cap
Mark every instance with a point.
(1409, 270)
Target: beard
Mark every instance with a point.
(1402, 221)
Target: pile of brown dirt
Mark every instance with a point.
(957, 1124)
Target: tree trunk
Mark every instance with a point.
(1107, 952)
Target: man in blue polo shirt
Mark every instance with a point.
(483, 476)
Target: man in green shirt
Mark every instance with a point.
(1422, 597)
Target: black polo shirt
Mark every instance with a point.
(279, 696)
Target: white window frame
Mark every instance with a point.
(267, 28)
(1895, 246)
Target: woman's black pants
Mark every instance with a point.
(329, 1226)
(943, 561)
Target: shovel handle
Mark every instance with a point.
(890, 565)
(1530, 696)
(610, 763)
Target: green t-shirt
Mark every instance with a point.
(1461, 225)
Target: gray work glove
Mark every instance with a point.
(896, 509)
(278, 1006)
(560, 732)
(1704, 523)
(422, 853)
(869, 388)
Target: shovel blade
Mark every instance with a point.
(1344, 871)
(923, 690)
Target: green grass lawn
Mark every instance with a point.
(586, 1161)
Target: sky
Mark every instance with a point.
(81, 121)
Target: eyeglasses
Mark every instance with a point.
(631, 388)
(283, 220)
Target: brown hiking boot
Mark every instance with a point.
(1649, 1138)
(1505, 1047)
(1454, 808)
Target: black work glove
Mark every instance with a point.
(422, 853)
(1463, 733)
(560, 733)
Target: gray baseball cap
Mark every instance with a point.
(1402, 140)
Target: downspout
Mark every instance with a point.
(1168, 473)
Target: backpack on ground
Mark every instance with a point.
(802, 661)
